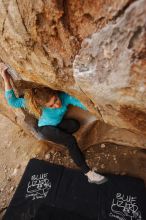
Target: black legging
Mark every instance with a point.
(62, 134)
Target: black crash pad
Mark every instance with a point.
(52, 192)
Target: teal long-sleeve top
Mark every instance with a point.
(50, 116)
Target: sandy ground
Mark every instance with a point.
(16, 148)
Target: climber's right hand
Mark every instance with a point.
(3, 71)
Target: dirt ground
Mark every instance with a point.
(16, 149)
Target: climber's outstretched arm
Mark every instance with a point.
(6, 76)
(12, 100)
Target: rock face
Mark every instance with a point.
(113, 61)
(94, 50)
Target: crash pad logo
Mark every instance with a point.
(125, 208)
(38, 187)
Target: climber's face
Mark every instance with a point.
(47, 98)
(54, 102)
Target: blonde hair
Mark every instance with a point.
(35, 99)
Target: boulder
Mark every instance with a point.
(94, 50)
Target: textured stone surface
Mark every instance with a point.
(113, 61)
(41, 41)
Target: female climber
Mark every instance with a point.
(49, 107)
